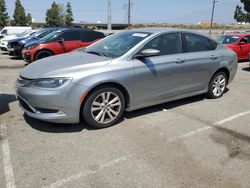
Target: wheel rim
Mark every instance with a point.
(106, 107)
(219, 85)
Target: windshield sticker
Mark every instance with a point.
(143, 35)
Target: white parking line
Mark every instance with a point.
(8, 170)
(189, 134)
(198, 131)
(85, 173)
(232, 118)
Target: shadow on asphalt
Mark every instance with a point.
(55, 128)
(246, 69)
(166, 106)
(16, 58)
(5, 100)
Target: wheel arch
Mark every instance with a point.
(43, 49)
(225, 70)
(116, 85)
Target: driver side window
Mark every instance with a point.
(167, 44)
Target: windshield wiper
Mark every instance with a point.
(98, 53)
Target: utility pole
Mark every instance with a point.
(212, 17)
(109, 15)
(129, 13)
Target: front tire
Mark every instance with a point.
(217, 85)
(43, 54)
(104, 107)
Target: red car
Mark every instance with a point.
(240, 43)
(60, 41)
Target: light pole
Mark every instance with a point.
(129, 13)
(212, 17)
(109, 15)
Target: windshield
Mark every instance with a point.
(23, 34)
(228, 39)
(118, 44)
(49, 36)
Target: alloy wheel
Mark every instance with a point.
(106, 107)
(219, 85)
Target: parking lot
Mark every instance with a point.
(195, 142)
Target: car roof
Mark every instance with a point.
(238, 34)
(159, 30)
(74, 29)
(156, 30)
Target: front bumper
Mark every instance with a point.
(57, 106)
(3, 46)
(27, 56)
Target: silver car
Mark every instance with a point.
(125, 71)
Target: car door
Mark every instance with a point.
(69, 41)
(244, 45)
(160, 77)
(200, 58)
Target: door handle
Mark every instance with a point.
(213, 57)
(179, 61)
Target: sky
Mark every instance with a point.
(143, 11)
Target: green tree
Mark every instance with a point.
(53, 16)
(19, 14)
(29, 19)
(239, 16)
(243, 15)
(4, 18)
(69, 15)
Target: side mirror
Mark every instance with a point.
(148, 53)
(242, 43)
(61, 40)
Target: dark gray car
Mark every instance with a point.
(125, 71)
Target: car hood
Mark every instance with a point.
(30, 41)
(230, 45)
(63, 65)
(6, 39)
(16, 40)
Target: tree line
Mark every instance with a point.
(241, 15)
(57, 15)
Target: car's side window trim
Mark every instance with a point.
(185, 42)
(181, 40)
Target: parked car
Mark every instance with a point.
(15, 47)
(125, 71)
(60, 41)
(240, 43)
(13, 30)
(4, 41)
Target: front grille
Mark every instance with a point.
(21, 81)
(24, 105)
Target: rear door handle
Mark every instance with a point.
(213, 57)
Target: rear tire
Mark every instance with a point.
(104, 107)
(43, 54)
(217, 85)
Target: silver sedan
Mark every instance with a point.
(125, 71)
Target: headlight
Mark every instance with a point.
(31, 47)
(50, 83)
